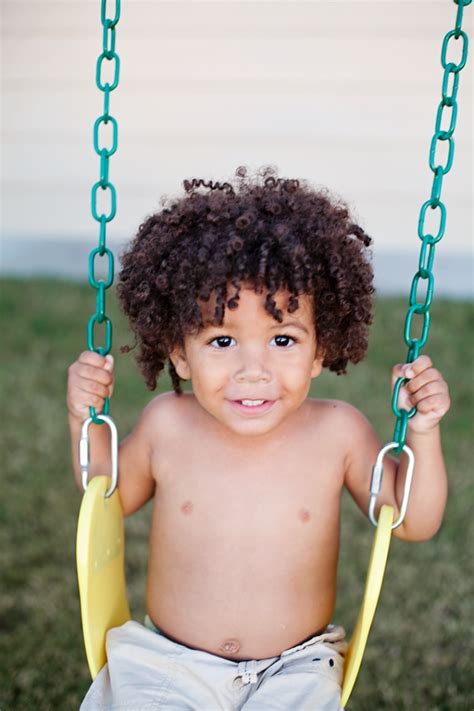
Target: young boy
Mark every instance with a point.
(248, 293)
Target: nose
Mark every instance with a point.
(251, 368)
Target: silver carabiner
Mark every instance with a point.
(84, 452)
(376, 483)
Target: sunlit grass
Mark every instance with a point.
(420, 649)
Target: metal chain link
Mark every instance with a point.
(109, 56)
(420, 306)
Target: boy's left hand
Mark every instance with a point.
(426, 389)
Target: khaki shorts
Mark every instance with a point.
(147, 671)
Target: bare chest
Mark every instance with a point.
(217, 494)
(244, 537)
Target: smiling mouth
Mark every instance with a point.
(252, 407)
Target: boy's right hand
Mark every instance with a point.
(90, 381)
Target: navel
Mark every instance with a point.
(304, 515)
(187, 508)
(230, 646)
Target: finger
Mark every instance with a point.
(82, 401)
(88, 400)
(436, 404)
(397, 372)
(92, 387)
(92, 358)
(427, 376)
(89, 372)
(411, 370)
(109, 362)
(433, 388)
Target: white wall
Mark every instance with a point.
(341, 93)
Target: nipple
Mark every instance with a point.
(304, 515)
(230, 646)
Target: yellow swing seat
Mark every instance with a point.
(100, 554)
(373, 586)
(100, 567)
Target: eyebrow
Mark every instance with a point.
(287, 324)
(295, 324)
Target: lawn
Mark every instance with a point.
(420, 651)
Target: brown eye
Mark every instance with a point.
(221, 342)
(284, 341)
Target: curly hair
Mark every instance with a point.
(270, 232)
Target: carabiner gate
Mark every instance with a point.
(84, 452)
(376, 483)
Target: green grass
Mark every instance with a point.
(420, 651)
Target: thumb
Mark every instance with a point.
(397, 372)
(109, 362)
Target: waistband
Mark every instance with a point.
(331, 633)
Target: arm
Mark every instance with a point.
(90, 380)
(429, 392)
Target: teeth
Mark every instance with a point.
(252, 403)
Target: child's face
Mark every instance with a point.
(252, 357)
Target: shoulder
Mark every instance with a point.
(345, 430)
(168, 411)
(334, 408)
(169, 404)
(345, 421)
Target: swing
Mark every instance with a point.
(100, 535)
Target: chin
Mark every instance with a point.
(251, 429)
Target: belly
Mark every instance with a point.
(238, 589)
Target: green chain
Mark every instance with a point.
(429, 241)
(100, 285)
(448, 105)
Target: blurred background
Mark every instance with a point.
(342, 94)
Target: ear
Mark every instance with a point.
(180, 362)
(317, 366)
